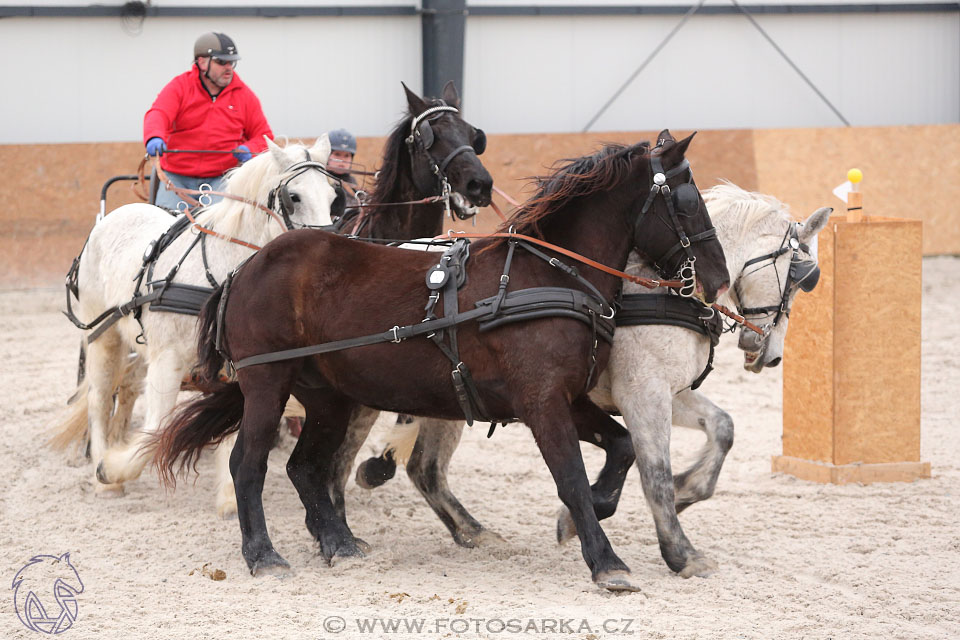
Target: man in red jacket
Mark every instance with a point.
(208, 108)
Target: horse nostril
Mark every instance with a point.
(773, 362)
(474, 188)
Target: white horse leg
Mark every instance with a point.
(164, 375)
(427, 469)
(694, 410)
(103, 366)
(647, 411)
(129, 389)
(358, 429)
(226, 494)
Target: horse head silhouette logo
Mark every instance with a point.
(38, 578)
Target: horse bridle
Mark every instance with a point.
(421, 139)
(280, 195)
(685, 197)
(802, 273)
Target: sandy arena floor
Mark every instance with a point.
(797, 560)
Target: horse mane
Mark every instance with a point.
(389, 173)
(572, 178)
(252, 180)
(729, 205)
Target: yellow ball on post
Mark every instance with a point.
(854, 175)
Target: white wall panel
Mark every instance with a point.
(522, 73)
(98, 80)
(528, 74)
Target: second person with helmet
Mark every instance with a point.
(208, 108)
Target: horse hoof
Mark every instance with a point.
(109, 490)
(566, 529)
(616, 581)
(700, 566)
(373, 472)
(479, 538)
(363, 545)
(227, 511)
(345, 552)
(274, 565)
(102, 475)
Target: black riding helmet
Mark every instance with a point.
(215, 45)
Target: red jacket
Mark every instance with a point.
(186, 117)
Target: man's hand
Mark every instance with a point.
(242, 153)
(156, 146)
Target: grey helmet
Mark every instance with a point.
(215, 45)
(342, 140)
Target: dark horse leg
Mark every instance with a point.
(595, 426)
(266, 390)
(427, 469)
(311, 469)
(551, 419)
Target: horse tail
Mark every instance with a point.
(204, 421)
(210, 358)
(72, 427)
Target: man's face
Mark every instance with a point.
(340, 162)
(220, 72)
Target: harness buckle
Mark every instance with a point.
(504, 280)
(396, 335)
(684, 241)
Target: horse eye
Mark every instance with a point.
(295, 197)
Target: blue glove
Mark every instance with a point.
(242, 153)
(156, 146)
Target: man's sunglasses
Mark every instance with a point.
(226, 63)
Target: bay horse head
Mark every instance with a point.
(444, 150)
(673, 230)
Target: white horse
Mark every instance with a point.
(648, 381)
(293, 180)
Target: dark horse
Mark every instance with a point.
(310, 287)
(415, 168)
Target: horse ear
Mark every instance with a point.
(65, 557)
(814, 224)
(675, 151)
(665, 136)
(450, 95)
(415, 102)
(278, 155)
(321, 149)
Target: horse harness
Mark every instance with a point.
(645, 309)
(685, 198)
(803, 273)
(164, 295)
(444, 280)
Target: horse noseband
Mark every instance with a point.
(421, 138)
(281, 194)
(805, 274)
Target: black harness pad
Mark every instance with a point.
(645, 309)
(548, 302)
(181, 298)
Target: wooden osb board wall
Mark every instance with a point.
(50, 193)
(909, 172)
(851, 378)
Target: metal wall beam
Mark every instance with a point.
(443, 24)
